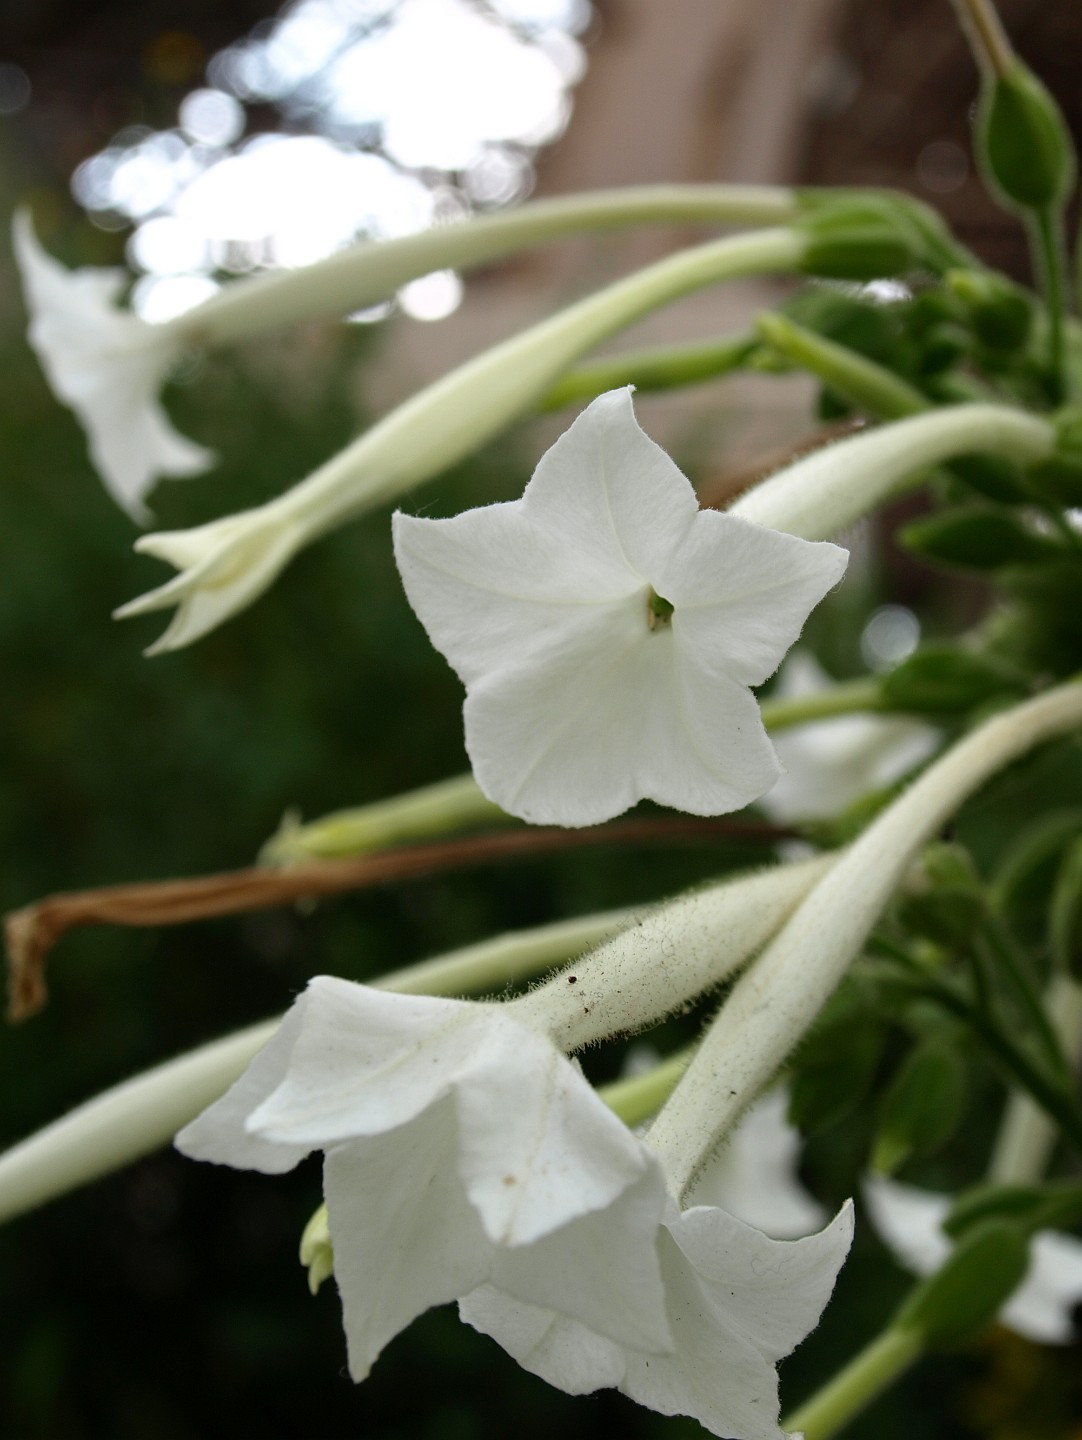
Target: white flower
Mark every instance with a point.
(108, 365)
(737, 1302)
(910, 1221)
(754, 1174)
(461, 1148)
(608, 631)
(830, 764)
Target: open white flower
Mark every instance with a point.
(830, 764)
(108, 365)
(754, 1174)
(461, 1148)
(737, 1303)
(910, 1221)
(608, 630)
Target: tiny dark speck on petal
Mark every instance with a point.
(572, 979)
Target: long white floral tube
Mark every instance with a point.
(668, 957)
(829, 489)
(778, 997)
(374, 270)
(140, 1115)
(224, 565)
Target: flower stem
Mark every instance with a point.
(373, 270)
(867, 1375)
(870, 387)
(987, 37)
(850, 698)
(641, 1096)
(1045, 231)
(662, 368)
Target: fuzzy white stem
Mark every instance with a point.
(668, 957)
(777, 998)
(828, 490)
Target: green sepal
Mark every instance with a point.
(975, 537)
(982, 1272)
(858, 239)
(942, 679)
(1065, 912)
(1022, 141)
(1000, 312)
(922, 1107)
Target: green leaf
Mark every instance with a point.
(983, 1270)
(941, 679)
(975, 537)
(991, 476)
(835, 1063)
(923, 1106)
(1022, 885)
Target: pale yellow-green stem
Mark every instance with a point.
(776, 999)
(373, 270)
(883, 1361)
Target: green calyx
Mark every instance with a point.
(1023, 143)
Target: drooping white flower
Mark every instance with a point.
(608, 631)
(461, 1148)
(108, 365)
(910, 1221)
(830, 764)
(754, 1175)
(737, 1303)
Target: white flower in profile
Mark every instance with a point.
(910, 1220)
(108, 365)
(461, 1148)
(830, 764)
(754, 1174)
(608, 631)
(737, 1303)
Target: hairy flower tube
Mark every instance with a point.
(1042, 1308)
(608, 631)
(108, 365)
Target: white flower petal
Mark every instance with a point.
(742, 593)
(581, 698)
(405, 1236)
(754, 1177)
(1041, 1308)
(108, 365)
(737, 1301)
(612, 494)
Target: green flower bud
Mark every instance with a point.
(1022, 141)
(1000, 312)
(858, 240)
(986, 1266)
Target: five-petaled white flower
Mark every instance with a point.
(1042, 1308)
(108, 365)
(461, 1149)
(737, 1303)
(608, 630)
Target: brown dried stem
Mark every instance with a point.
(30, 933)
